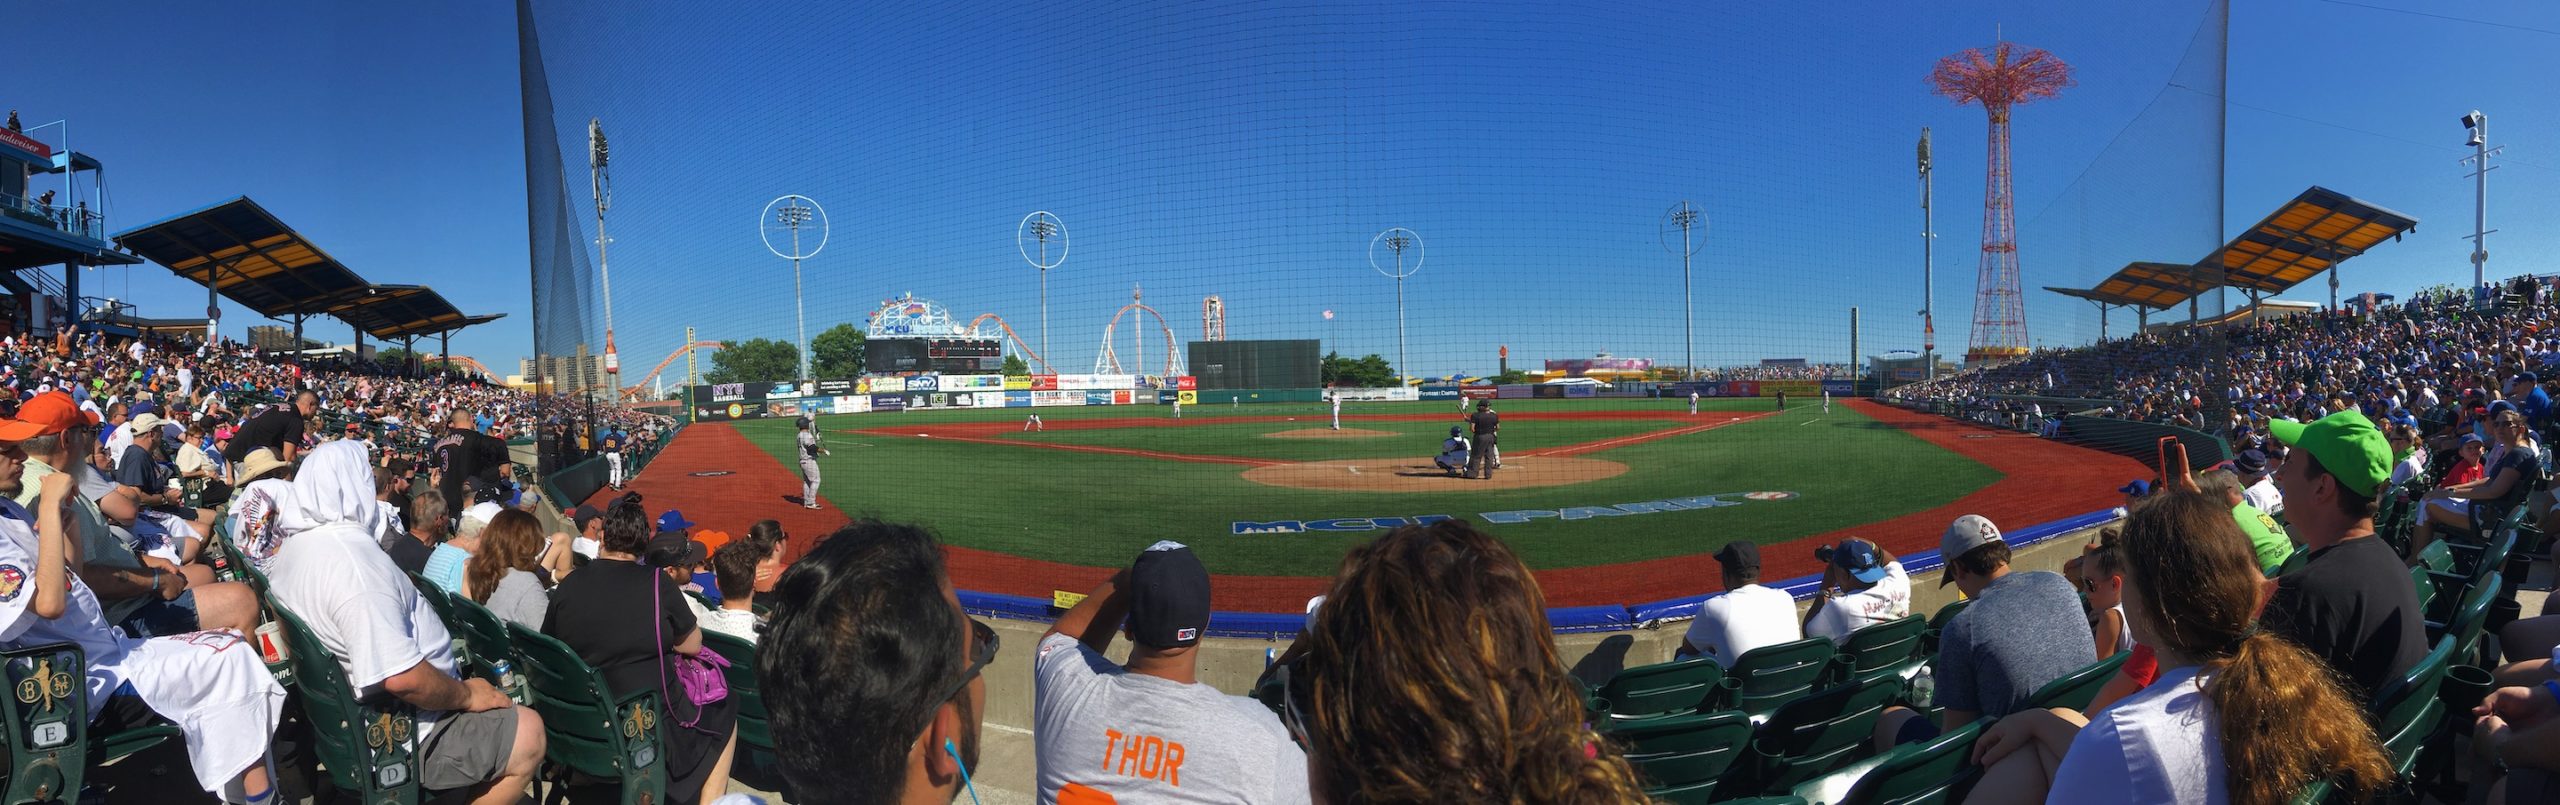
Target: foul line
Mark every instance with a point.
(1623, 441)
(1091, 448)
(1809, 421)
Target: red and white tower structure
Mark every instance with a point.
(2005, 77)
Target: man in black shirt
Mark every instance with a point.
(279, 429)
(467, 455)
(1480, 461)
(2351, 602)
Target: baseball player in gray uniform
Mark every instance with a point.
(810, 450)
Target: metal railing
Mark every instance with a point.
(76, 220)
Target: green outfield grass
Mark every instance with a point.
(1099, 509)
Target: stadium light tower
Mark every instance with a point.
(600, 179)
(792, 215)
(1929, 270)
(1687, 218)
(2478, 125)
(2004, 78)
(1398, 240)
(1042, 227)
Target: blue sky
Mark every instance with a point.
(1251, 151)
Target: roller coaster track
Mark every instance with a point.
(1036, 360)
(639, 391)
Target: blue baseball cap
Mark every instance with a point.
(673, 520)
(2137, 488)
(1860, 560)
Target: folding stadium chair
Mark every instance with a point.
(2471, 556)
(1813, 735)
(2406, 711)
(1938, 626)
(2076, 689)
(1891, 648)
(2437, 556)
(486, 634)
(442, 603)
(1766, 677)
(2424, 580)
(50, 747)
(1938, 770)
(756, 764)
(367, 745)
(591, 732)
(1682, 757)
(1647, 691)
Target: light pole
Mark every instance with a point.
(1041, 227)
(1397, 240)
(1929, 270)
(2481, 151)
(599, 159)
(1688, 218)
(791, 214)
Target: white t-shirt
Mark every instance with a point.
(2263, 495)
(738, 623)
(1887, 600)
(1142, 738)
(1743, 619)
(256, 521)
(212, 684)
(2408, 467)
(2161, 744)
(361, 607)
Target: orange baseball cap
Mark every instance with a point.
(49, 413)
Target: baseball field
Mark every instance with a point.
(1613, 501)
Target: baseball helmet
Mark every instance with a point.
(1456, 429)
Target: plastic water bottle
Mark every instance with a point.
(1924, 688)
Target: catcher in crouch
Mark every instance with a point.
(1454, 451)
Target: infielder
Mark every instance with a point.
(1693, 402)
(810, 450)
(1177, 408)
(1034, 423)
(1337, 411)
(1826, 401)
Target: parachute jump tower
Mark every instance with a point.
(2006, 77)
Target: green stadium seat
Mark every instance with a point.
(1646, 691)
(48, 723)
(1938, 770)
(1813, 735)
(1891, 648)
(2422, 579)
(756, 763)
(367, 745)
(1938, 626)
(2076, 689)
(2293, 561)
(590, 731)
(1766, 677)
(486, 634)
(2405, 711)
(442, 602)
(1683, 757)
(2438, 556)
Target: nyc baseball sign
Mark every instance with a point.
(1349, 524)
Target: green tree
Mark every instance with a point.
(836, 353)
(1509, 377)
(1370, 371)
(1014, 365)
(752, 360)
(392, 356)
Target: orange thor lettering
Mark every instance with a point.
(1145, 756)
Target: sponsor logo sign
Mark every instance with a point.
(1715, 501)
(888, 402)
(1477, 392)
(832, 388)
(1017, 399)
(1439, 392)
(1098, 397)
(1044, 382)
(961, 382)
(853, 404)
(1332, 525)
(1050, 398)
(1187, 396)
(1121, 397)
(726, 392)
(924, 383)
(1017, 383)
(1187, 383)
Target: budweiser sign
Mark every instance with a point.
(25, 143)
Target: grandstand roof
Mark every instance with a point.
(249, 256)
(2308, 235)
(391, 312)
(2158, 286)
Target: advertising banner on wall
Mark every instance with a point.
(1049, 398)
(1188, 397)
(1742, 388)
(720, 412)
(1097, 397)
(1044, 382)
(853, 404)
(972, 382)
(1791, 388)
(1580, 390)
(831, 388)
(890, 384)
(1840, 388)
(1439, 392)
(1405, 394)
(1187, 383)
(1017, 399)
(1477, 392)
(793, 407)
(918, 383)
(888, 402)
(1122, 397)
(1544, 391)
(1017, 383)
(1514, 391)
(725, 392)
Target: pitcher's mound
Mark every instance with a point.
(1419, 475)
(1328, 433)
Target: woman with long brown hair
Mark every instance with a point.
(1430, 675)
(2237, 715)
(504, 574)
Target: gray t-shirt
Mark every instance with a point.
(520, 598)
(2025, 631)
(1141, 738)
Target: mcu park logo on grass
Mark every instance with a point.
(1341, 524)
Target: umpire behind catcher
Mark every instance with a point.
(1480, 460)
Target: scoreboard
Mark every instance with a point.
(959, 356)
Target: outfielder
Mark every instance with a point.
(1177, 408)
(810, 450)
(1693, 402)
(1337, 410)
(1826, 401)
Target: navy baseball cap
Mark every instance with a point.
(2250, 462)
(1860, 560)
(1739, 555)
(1168, 597)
